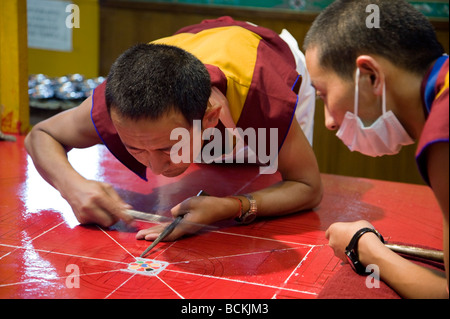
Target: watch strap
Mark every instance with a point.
(253, 208)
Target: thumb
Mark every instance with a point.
(327, 234)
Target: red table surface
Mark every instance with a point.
(44, 251)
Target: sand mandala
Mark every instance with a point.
(148, 267)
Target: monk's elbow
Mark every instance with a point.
(315, 194)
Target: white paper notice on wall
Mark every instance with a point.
(47, 28)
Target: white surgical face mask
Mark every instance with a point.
(385, 136)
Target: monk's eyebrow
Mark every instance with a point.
(131, 147)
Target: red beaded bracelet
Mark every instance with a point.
(239, 214)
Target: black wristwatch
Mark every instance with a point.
(351, 251)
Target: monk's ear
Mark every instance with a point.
(371, 73)
(211, 117)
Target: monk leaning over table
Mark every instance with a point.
(221, 74)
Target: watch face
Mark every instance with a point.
(350, 258)
(354, 262)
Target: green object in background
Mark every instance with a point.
(437, 9)
(432, 9)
